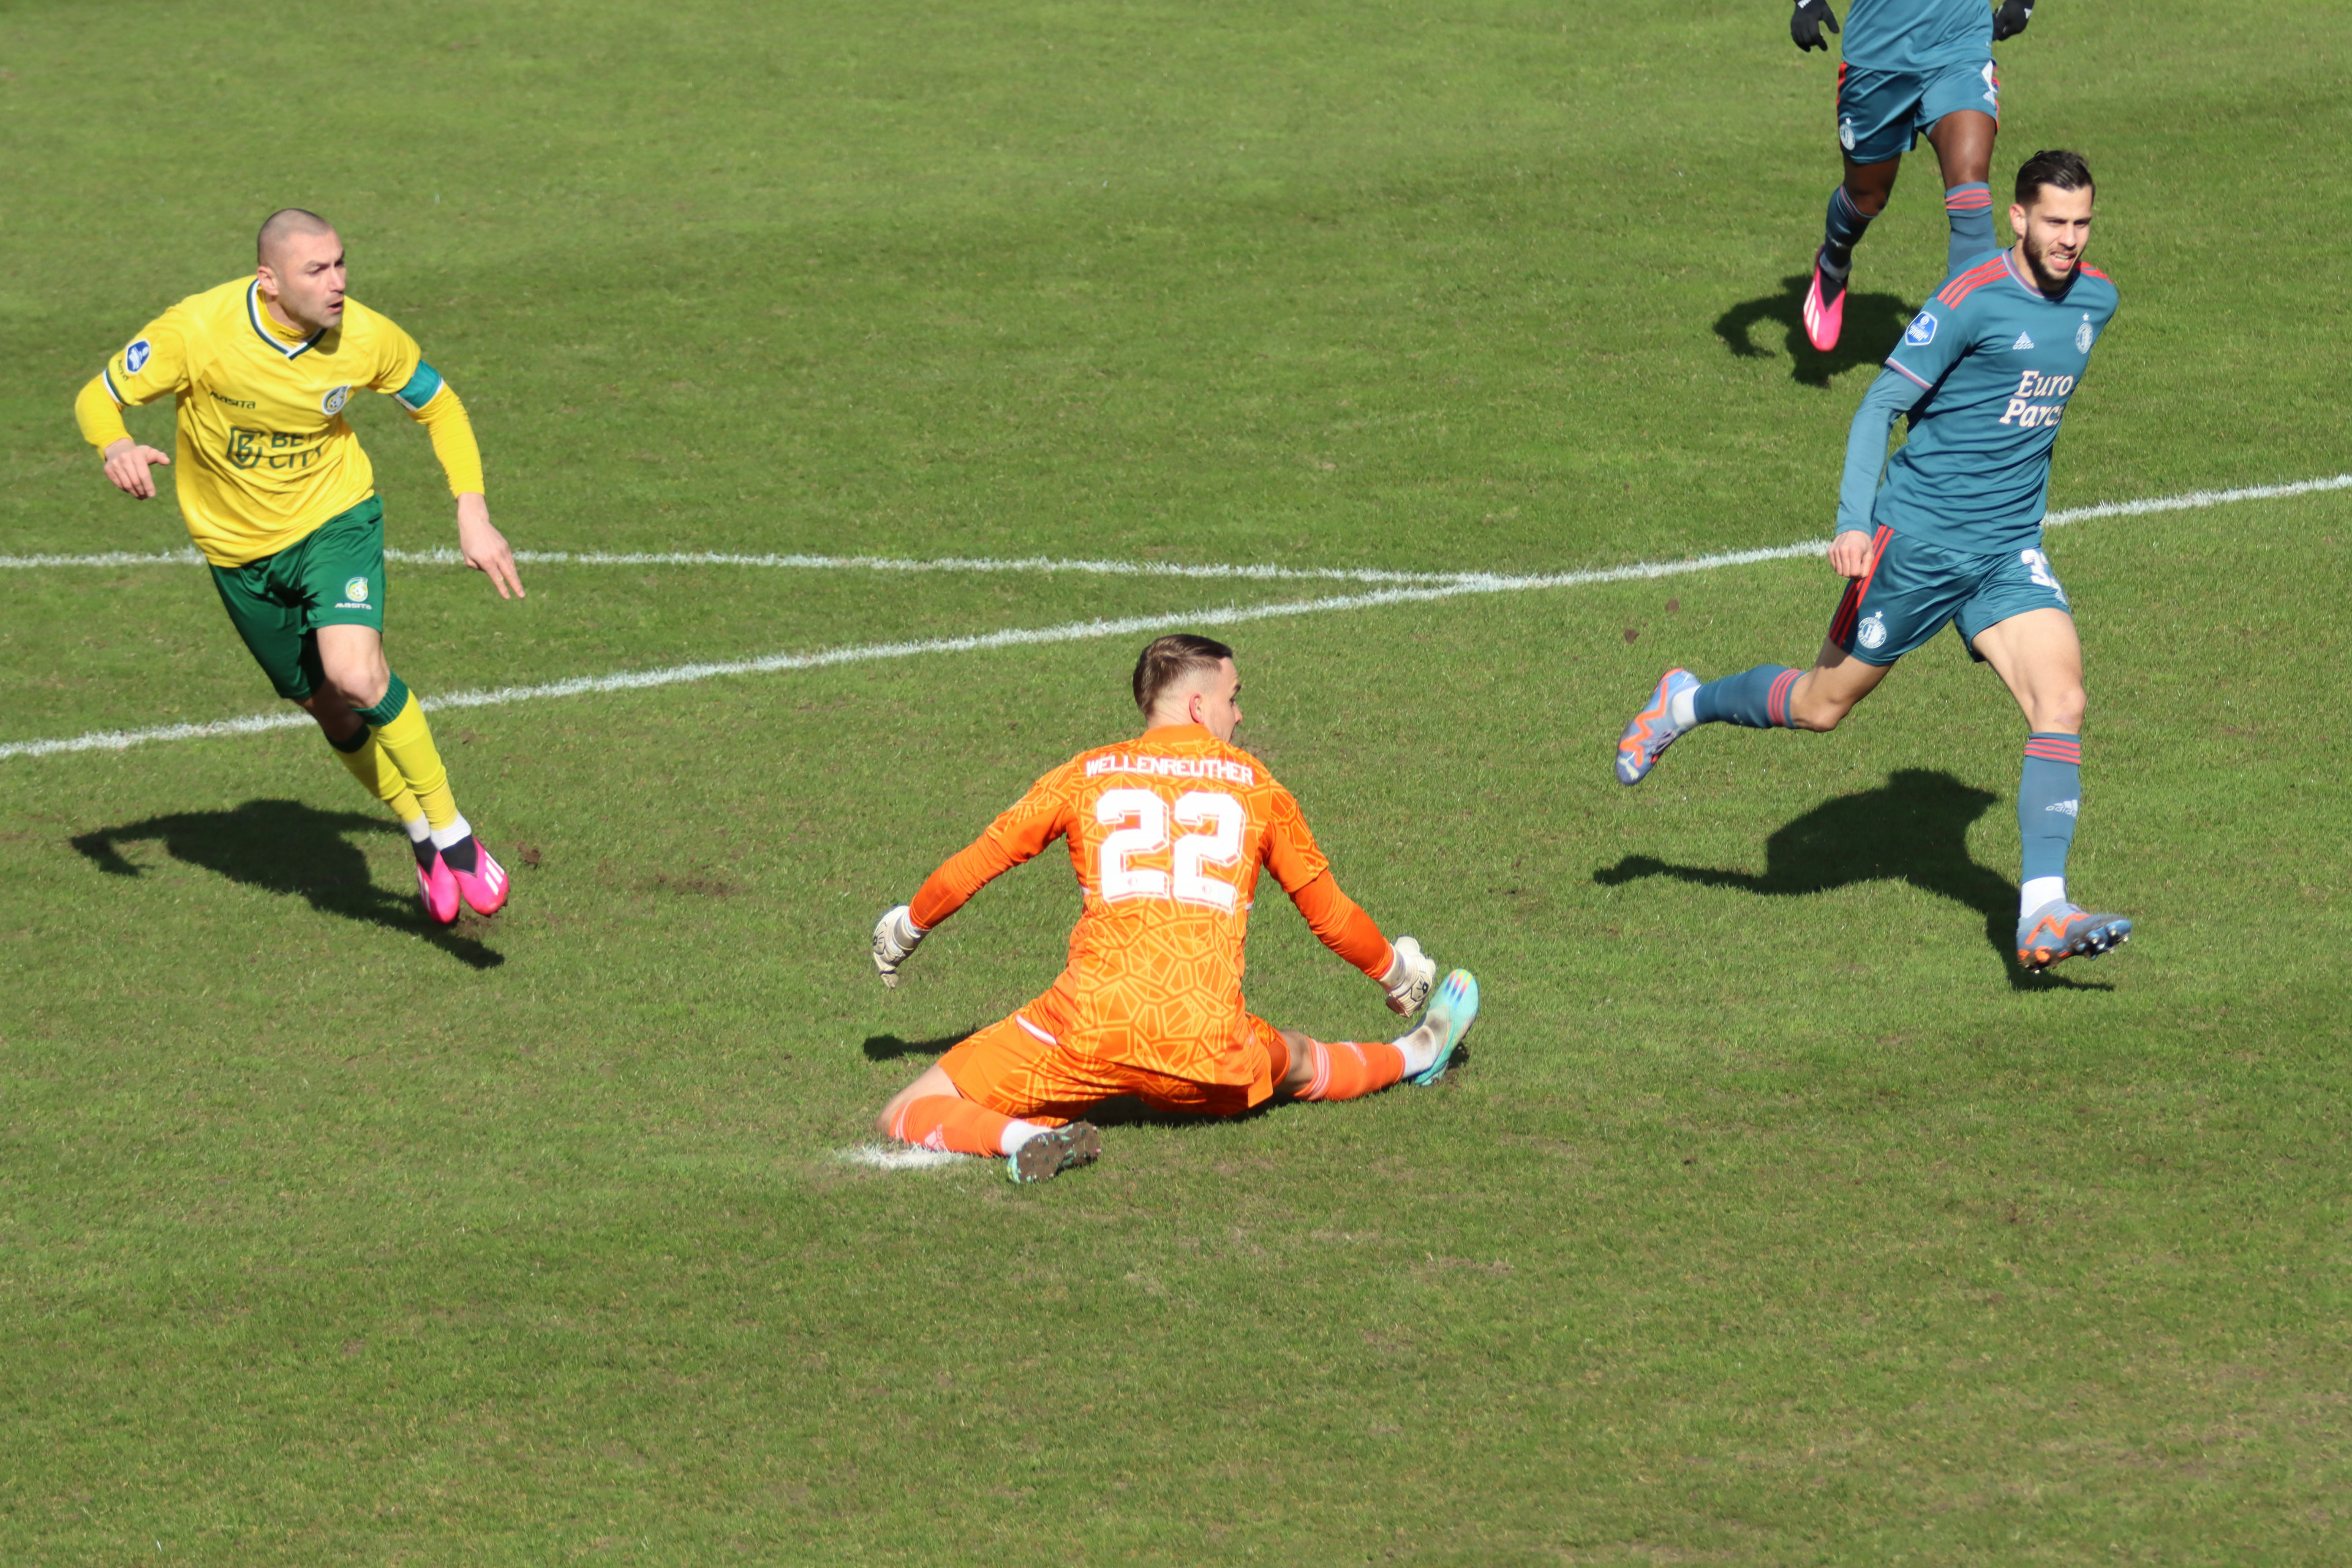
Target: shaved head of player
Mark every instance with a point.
(1168, 833)
(298, 264)
(281, 499)
(1954, 537)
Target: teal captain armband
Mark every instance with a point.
(421, 388)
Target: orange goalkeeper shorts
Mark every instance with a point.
(1020, 1067)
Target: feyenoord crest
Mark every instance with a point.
(334, 402)
(1873, 630)
(2083, 335)
(356, 591)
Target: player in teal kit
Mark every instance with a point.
(1984, 372)
(1911, 67)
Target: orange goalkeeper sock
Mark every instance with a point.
(944, 1121)
(1348, 1069)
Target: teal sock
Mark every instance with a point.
(2049, 796)
(1758, 697)
(1841, 233)
(1969, 209)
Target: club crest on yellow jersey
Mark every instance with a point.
(265, 456)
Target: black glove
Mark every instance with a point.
(1812, 16)
(2010, 19)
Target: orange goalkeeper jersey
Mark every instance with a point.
(1167, 834)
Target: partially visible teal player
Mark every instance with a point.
(1911, 67)
(1984, 372)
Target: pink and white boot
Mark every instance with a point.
(1824, 320)
(479, 877)
(436, 884)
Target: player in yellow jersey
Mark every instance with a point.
(281, 500)
(1150, 1005)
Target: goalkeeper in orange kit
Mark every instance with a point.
(1167, 832)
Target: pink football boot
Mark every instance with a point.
(1823, 321)
(479, 877)
(437, 884)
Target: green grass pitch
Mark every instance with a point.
(1773, 1218)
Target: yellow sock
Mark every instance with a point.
(373, 766)
(407, 739)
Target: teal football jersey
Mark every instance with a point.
(1998, 360)
(1916, 35)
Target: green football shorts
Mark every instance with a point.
(332, 577)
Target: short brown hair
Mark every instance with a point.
(2054, 166)
(1169, 660)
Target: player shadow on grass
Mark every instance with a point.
(1914, 829)
(890, 1048)
(286, 846)
(1872, 324)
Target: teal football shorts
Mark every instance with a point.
(1913, 588)
(1883, 114)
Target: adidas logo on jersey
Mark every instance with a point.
(2024, 342)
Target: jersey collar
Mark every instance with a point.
(1188, 730)
(2025, 280)
(261, 328)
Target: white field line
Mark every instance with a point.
(1084, 631)
(1046, 564)
(1037, 564)
(883, 1158)
(1019, 636)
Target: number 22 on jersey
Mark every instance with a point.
(1138, 822)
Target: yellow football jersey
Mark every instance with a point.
(265, 454)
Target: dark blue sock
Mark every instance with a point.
(1971, 209)
(1757, 698)
(1844, 232)
(2049, 793)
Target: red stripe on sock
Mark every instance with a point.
(1776, 701)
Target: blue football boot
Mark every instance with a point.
(1645, 739)
(1453, 1010)
(2061, 929)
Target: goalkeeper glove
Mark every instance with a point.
(895, 936)
(1812, 16)
(1411, 973)
(2010, 19)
